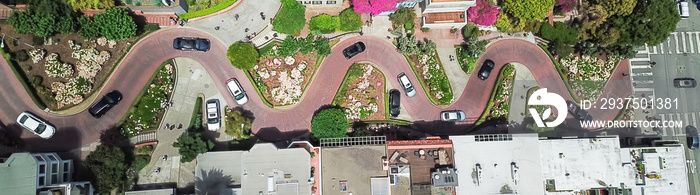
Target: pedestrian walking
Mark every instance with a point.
(624, 74)
(236, 17)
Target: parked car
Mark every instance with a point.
(213, 117)
(406, 85)
(683, 9)
(37, 126)
(191, 44)
(486, 68)
(110, 100)
(691, 136)
(684, 83)
(394, 102)
(236, 91)
(577, 112)
(453, 115)
(353, 50)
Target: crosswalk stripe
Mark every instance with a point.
(690, 41)
(675, 37)
(694, 120)
(653, 52)
(678, 117)
(643, 89)
(683, 40)
(639, 67)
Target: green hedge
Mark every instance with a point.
(23, 79)
(211, 10)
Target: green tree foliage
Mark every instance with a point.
(237, 125)
(528, 9)
(22, 21)
(290, 19)
(428, 46)
(52, 7)
(591, 17)
(90, 4)
(503, 22)
(191, 146)
(289, 47)
(140, 161)
(116, 24)
(242, 55)
(651, 22)
(470, 30)
(330, 123)
(65, 25)
(306, 46)
(88, 28)
(42, 18)
(324, 23)
(618, 7)
(563, 50)
(107, 165)
(323, 47)
(560, 32)
(403, 16)
(408, 45)
(350, 20)
(44, 25)
(474, 47)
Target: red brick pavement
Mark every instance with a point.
(137, 67)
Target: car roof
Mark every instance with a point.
(31, 122)
(232, 84)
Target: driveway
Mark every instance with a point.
(270, 124)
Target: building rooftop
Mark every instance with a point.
(669, 163)
(217, 171)
(18, 174)
(498, 164)
(350, 169)
(169, 191)
(408, 152)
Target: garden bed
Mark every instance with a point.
(431, 75)
(466, 62)
(150, 105)
(501, 95)
(362, 93)
(64, 74)
(282, 83)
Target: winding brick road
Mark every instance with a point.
(144, 58)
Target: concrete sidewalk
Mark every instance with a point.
(458, 79)
(523, 81)
(229, 30)
(192, 80)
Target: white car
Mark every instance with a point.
(236, 91)
(35, 125)
(406, 85)
(213, 117)
(455, 115)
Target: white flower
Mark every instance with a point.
(101, 41)
(37, 55)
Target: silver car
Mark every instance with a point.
(406, 85)
(37, 126)
(454, 115)
(236, 91)
(213, 117)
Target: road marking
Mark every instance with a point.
(694, 120)
(639, 66)
(678, 117)
(685, 49)
(690, 41)
(686, 118)
(653, 52)
(661, 47)
(643, 89)
(675, 37)
(663, 118)
(697, 40)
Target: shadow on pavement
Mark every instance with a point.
(441, 127)
(66, 138)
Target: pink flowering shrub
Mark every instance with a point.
(483, 13)
(565, 5)
(373, 6)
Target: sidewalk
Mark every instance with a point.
(225, 27)
(192, 80)
(458, 79)
(518, 102)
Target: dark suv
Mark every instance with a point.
(579, 113)
(691, 136)
(191, 44)
(108, 101)
(394, 102)
(354, 49)
(486, 68)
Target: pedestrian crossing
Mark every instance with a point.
(677, 43)
(685, 119)
(641, 74)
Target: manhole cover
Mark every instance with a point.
(206, 86)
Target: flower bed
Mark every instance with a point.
(282, 80)
(429, 70)
(67, 61)
(360, 91)
(500, 104)
(148, 109)
(467, 62)
(588, 75)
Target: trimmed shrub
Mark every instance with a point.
(350, 20)
(290, 19)
(242, 55)
(21, 55)
(330, 123)
(324, 23)
(151, 27)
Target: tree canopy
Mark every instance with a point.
(528, 9)
(191, 146)
(291, 18)
(107, 165)
(116, 24)
(350, 20)
(237, 125)
(43, 18)
(242, 55)
(324, 23)
(330, 123)
(403, 16)
(483, 13)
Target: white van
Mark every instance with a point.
(683, 9)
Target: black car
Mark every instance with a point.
(108, 101)
(354, 49)
(691, 136)
(394, 102)
(191, 44)
(485, 70)
(684, 83)
(579, 113)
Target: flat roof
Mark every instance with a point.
(169, 191)
(585, 163)
(355, 165)
(217, 171)
(671, 167)
(445, 17)
(494, 154)
(286, 171)
(18, 174)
